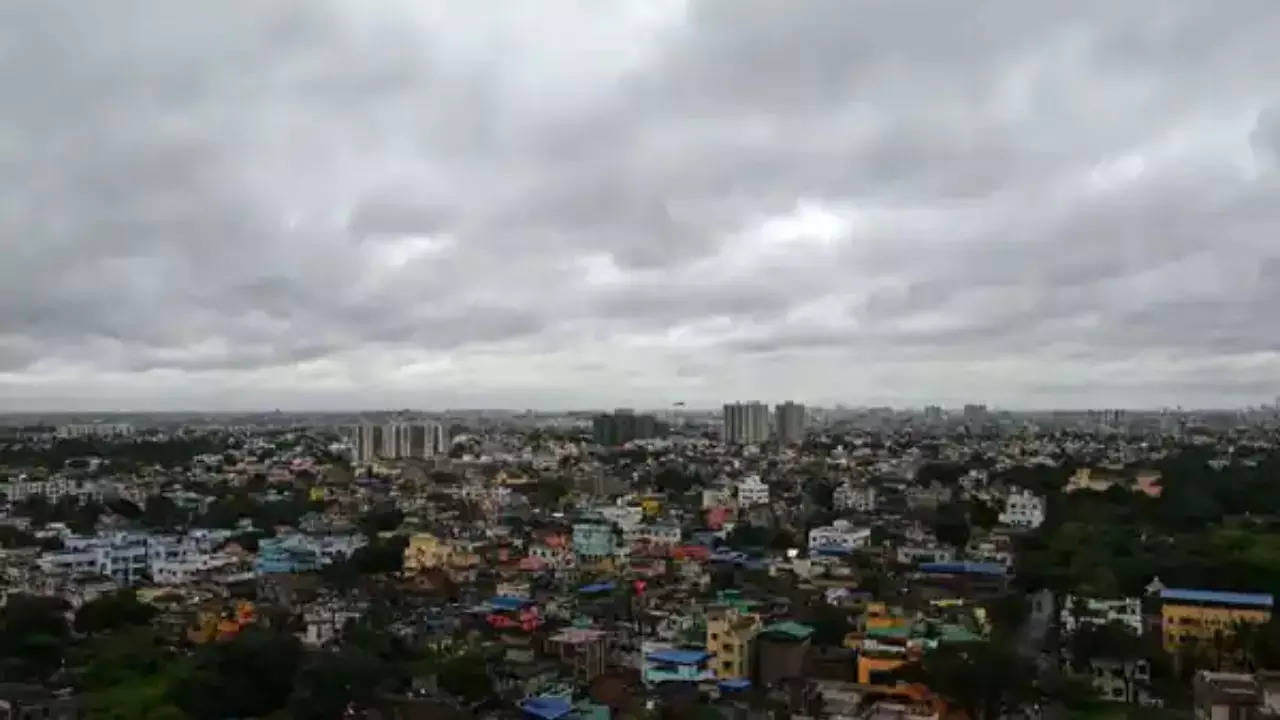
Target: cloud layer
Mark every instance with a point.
(345, 204)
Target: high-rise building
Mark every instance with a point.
(933, 414)
(746, 423)
(791, 421)
(397, 440)
(623, 426)
(975, 413)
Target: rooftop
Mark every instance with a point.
(1215, 597)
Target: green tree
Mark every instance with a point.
(112, 611)
(983, 679)
(467, 677)
(34, 637)
(248, 676)
(332, 682)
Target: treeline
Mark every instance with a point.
(124, 455)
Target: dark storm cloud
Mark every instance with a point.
(665, 192)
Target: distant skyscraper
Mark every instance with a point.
(975, 413)
(625, 425)
(397, 440)
(746, 423)
(933, 414)
(791, 421)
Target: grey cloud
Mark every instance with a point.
(218, 194)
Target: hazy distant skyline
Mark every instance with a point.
(331, 204)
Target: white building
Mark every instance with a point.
(626, 517)
(1023, 509)
(660, 535)
(841, 536)
(120, 556)
(87, 430)
(859, 498)
(716, 497)
(52, 489)
(1077, 611)
(753, 491)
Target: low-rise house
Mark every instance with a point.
(1077, 611)
(840, 537)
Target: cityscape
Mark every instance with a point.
(819, 562)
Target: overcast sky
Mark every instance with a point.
(375, 203)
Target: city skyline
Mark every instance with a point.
(324, 205)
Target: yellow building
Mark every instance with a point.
(730, 633)
(426, 551)
(1197, 615)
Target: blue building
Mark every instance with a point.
(285, 555)
(666, 664)
(593, 541)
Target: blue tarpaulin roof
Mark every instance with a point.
(506, 602)
(597, 588)
(679, 657)
(547, 708)
(735, 684)
(1216, 597)
(963, 568)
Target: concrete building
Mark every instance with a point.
(791, 422)
(1191, 616)
(94, 430)
(395, 441)
(859, 498)
(1023, 509)
(623, 426)
(840, 537)
(730, 635)
(746, 423)
(752, 491)
(1079, 611)
(592, 541)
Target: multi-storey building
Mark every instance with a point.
(791, 419)
(53, 489)
(839, 537)
(1023, 509)
(623, 426)
(88, 430)
(1078, 611)
(746, 423)
(395, 441)
(859, 498)
(1194, 616)
(730, 634)
(592, 541)
(753, 491)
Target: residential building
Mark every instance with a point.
(285, 555)
(791, 421)
(624, 425)
(593, 541)
(94, 430)
(1188, 616)
(858, 498)
(662, 664)
(1023, 509)
(53, 489)
(1228, 696)
(840, 537)
(394, 441)
(584, 650)
(1078, 611)
(752, 491)
(746, 423)
(1123, 681)
(730, 635)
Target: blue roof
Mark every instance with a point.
(832, 550)
(548, 708)
(964, 568)
(597, 588)
(1217, 598)
(679, 657)
(506, 602)
(735, 684)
